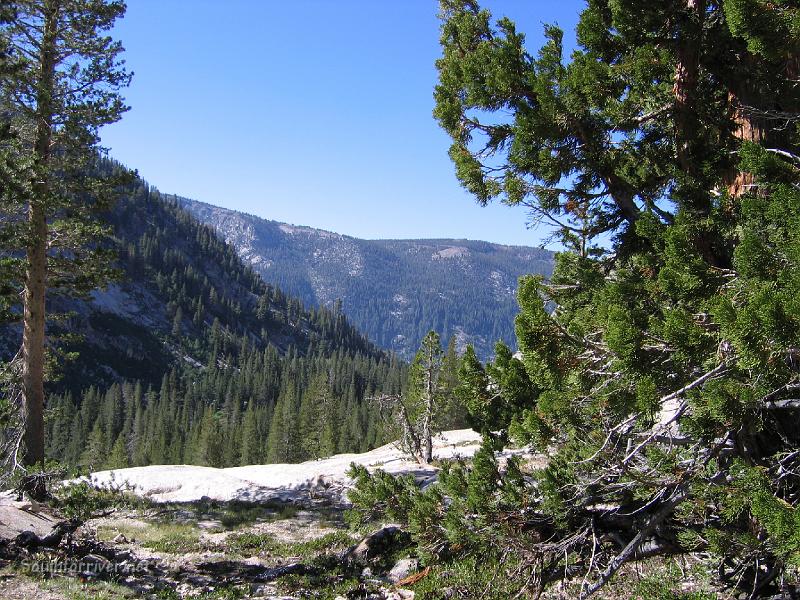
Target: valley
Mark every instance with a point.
(197, 403)
(394, 291)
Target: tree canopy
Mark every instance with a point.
(62, 86)
(658, 366)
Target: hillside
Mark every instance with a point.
(189, 357)
(181, 298)
(394, 291)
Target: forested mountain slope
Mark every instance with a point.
(181, 298)
(393, 290)
(190, 357)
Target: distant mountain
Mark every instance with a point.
(394, 291)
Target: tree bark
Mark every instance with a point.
(685, 84)
(747, 128)
(33, 326)
(33, 337)
(744, 101)
(428, 417)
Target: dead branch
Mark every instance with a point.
(679, 494)
(392, 409)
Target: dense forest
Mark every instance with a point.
(256, 408)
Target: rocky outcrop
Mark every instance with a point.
(324, 479)
(378, 544)
(28, 524)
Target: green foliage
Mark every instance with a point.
(74, 95)
(658, 155)
(83, 501)
(662, 586)
(244, 411)
(487, 576)
(317, 428)
(430, 401)
(174, 539)
(773, 523)
(482, 484)
(328, 543)
(769, 29)
(455, 515)
(378, 494)
(249, 543)
(209, 395)
(424, 399)
(493, 395)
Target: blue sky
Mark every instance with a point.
(310, 112)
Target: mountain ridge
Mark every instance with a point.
(394, 290)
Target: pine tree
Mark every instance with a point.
(453, 413)
(210, 448)
(12, 179)
(283, 443)
(177, 322)
(425, 391)
(64, 89)
(316, 410)
(659, 364)
(416, 413)
(233, 437)
(95, 454)
(118, 459)
(252, 439)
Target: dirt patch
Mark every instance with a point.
(19, 587)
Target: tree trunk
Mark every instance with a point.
(742, 98)
(747, 129)
(685, 85)
(33, 326)
(427, 424)
(744, 102)
(33, 337)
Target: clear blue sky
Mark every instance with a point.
(310, 112)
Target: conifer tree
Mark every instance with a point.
(177, 322)
(63, 89)
(453, 413)
(118, 459)
(233, 436)
(416, 413)
(316, 410)
(95, 454)
(658, 365)
(425, 391)
(252, 439)
(210, 449)
(283, 443)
